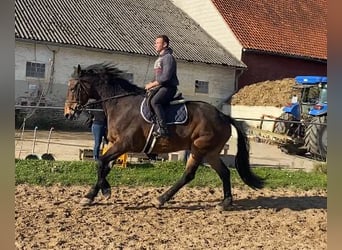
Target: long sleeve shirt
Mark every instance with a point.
(165, 69)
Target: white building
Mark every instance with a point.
(54, 36)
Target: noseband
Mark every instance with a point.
(77, 91)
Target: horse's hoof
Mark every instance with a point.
(157, 203)
(107, 193)
(219, 207)
(224, 205)
(86, 201)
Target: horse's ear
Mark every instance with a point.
(74, 73)
(78, 69)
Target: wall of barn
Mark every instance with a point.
(62, 59)
(262, 67)
(221, 79)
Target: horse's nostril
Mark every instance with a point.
(67, 116)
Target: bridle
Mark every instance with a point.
(77, 91)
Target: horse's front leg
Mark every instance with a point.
(101, 183)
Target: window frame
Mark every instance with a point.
(201, 87)
(35, 70)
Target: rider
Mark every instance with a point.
(164, 86)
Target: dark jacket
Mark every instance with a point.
(165, 69)
(99, 117)
(96, 117)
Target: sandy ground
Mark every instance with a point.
(63, 145)
(51, 218)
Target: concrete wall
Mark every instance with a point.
(220, 78)
(255, 112)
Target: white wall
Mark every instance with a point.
(255, 112)
(221, 79)
(207, 16)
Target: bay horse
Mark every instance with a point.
(204, 133)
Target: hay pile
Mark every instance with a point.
(268, 93)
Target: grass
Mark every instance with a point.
(40, 172)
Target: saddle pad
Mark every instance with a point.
(175, 113)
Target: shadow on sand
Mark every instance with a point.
(298, 203)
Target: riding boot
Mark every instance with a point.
(162, 130)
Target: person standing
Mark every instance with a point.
(164, 86)
(98, 124)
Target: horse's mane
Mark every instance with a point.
(114, 77)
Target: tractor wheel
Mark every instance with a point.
(316, 137)
(281, 127)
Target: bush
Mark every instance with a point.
(321, 168)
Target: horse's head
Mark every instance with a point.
(79, 92)
(97, 81)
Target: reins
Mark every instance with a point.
(83, 107)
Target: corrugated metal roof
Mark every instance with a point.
(289, 27)
(118, 25)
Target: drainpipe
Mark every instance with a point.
(237, 76)
(227, 99)
(52, 72)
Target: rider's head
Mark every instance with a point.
(161, 43)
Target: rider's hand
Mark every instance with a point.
(151, 85)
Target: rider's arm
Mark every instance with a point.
(168, 67)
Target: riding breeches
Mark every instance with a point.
(162, 97)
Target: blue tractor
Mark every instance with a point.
(305, 118)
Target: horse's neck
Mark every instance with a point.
(104, 93)
(123, 104)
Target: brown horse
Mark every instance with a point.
(204, 133)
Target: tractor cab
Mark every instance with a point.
(321, 106)
(312, 98)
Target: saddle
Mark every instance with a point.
(176, 112)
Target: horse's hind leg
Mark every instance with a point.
(188, 175)
(224, 173)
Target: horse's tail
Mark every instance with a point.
(242, 157)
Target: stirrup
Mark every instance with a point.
(161, 132)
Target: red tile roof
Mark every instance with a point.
(290, 27)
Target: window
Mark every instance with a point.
(201, 87)
(36, 70)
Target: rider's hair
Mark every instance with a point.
(165, 39)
